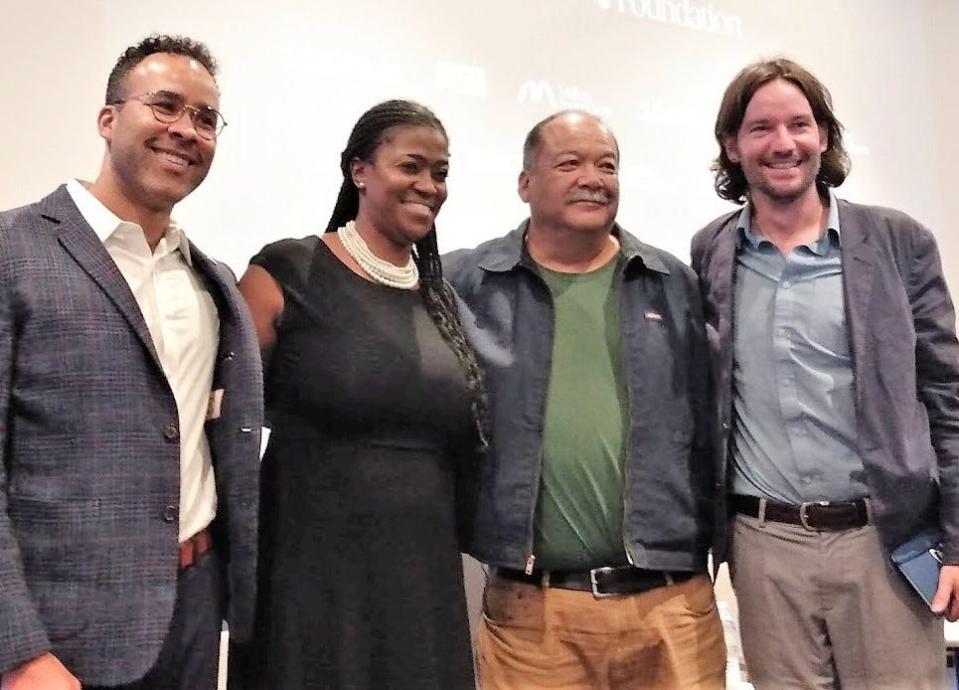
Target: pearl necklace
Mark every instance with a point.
(383, 272)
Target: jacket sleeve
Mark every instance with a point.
(696, 254)
(937, 376)
(456, 268)
(22, 635)
(701, 396)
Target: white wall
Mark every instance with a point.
(296, 74)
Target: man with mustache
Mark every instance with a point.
(838, 398)
(130, 407)
(593, 505)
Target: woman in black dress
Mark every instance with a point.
(376, 406)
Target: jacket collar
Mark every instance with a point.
(510, 252)
(82, 243)
(107, 225)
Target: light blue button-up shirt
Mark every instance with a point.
(794, 437)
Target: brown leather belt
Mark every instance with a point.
(602, 582)
(194, 547)
(816, 516)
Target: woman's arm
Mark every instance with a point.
(265, 298)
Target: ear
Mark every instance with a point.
(731, 147)
(522, 186)
(359, 171)
(823, 138)
(106, 119)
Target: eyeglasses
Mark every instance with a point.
(169, 107)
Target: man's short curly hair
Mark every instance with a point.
(156, 43)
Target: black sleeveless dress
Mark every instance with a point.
(360, 583)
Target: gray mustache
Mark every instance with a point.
(585, 195)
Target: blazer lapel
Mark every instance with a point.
(722, 287)
(79, 240)
(222, 293)
(858, 262)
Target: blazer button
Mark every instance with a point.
(170, 513)
(170, 432)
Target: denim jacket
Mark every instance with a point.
(507, 311)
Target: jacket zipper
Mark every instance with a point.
(531, 558)
(629, 408)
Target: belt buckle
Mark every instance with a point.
(804, 517)
(595, 585)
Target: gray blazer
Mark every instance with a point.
(89, 484)
(901, 325)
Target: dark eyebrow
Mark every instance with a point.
(422, 159)
(174, 94)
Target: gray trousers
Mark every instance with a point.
(828, 610)
(189, 658)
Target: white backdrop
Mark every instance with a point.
(296, 74)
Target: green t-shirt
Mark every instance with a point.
(579, 515)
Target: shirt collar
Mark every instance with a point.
(510, 252)
(820, 246)
(106, 224)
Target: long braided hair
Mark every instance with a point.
(367, 135)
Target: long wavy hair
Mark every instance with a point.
(368, 133)
(730, 182)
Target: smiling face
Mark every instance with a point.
(573, 180)
(403, 188)
(779, 143)
(151, 165)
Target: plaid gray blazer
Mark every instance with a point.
(89, 482)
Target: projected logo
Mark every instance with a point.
(352, 67)
(645, 178)
(662, 113)
(559, 97)
(468, 80)
(682, 13)
(855, 145)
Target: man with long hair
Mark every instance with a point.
(838, 399)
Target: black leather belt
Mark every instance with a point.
(817, 516)
(602, 582)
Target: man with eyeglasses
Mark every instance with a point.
(130, 407)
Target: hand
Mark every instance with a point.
(946, 601)
(44, 672)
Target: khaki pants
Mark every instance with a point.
(533, 638)
(827, 610)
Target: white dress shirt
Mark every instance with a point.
(185, 326)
